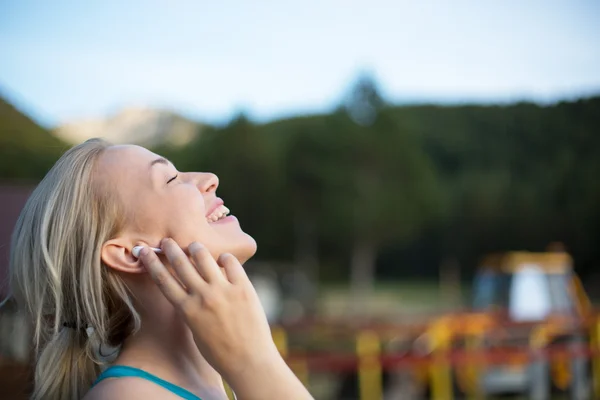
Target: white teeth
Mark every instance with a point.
(219, 213)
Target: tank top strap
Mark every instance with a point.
(121, 371)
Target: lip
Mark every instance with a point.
(218, 202)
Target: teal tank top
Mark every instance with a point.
(121, 371)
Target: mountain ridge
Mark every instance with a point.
(140, 125)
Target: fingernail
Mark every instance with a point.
(144, 251)
(164, 241)
(195, 246)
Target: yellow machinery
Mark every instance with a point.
(531, 330)
(524, 305)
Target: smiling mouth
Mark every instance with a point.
(218, 214)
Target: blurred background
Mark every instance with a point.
(421, 177)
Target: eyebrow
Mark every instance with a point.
(159, 161)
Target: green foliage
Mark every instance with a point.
(424, 182)
(27, 150)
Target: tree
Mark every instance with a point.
(304, 186)
(382, 186)
(251, 179)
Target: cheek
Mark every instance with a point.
(191, 199)
(189, 206)
(187, 216)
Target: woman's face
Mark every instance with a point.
(163, 202)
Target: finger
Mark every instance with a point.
(182, 265)
(233, 269)
(166, 282)
(205, 263)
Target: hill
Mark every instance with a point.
(27, 150)
(144, 126)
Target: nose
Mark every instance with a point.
(207, 182)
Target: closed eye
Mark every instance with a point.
(172, 179)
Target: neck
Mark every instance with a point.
(164, 346)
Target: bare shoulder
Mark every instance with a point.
(129, 388)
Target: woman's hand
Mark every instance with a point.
(226, 318)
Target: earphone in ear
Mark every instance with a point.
(136, 251)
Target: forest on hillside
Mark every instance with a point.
(27, 150)
(375, 189)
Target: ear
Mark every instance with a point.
(116, 253)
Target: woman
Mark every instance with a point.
(169, 326)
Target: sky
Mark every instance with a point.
(64, 60)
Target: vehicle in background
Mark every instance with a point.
(523, 304)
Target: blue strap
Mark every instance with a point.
(121, 371)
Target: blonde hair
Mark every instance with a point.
(57, 276)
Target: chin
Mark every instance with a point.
(245, 250)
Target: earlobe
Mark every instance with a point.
(116, 254)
